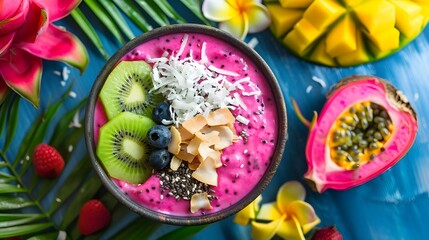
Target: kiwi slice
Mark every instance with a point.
(122, 147)
(127, 90)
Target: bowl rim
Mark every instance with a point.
(176, 219)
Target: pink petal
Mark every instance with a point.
(9, 8)
(22, 72)
(12, 23)
(58, 9)
(5, 42)
(34, 22)
(4, 89)
(57, 44)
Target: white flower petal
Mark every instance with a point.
(238, 26)
(218, 10)
(259, 18)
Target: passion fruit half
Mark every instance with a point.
(347, 32)
(365, 127)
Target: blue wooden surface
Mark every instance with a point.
(392, 206)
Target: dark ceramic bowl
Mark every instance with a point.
(200, 219)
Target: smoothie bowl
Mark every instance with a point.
(186, 125)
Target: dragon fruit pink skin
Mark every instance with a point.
(27, 36)
(348, 92)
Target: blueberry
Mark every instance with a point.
(159, 159)
(160, 112)
(159, 136)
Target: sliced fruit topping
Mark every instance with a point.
(159, 136)
(349, 32)
(127, 89)
(365, 127)
(123, 149)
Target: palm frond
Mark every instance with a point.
(24, 195)
(115, 15)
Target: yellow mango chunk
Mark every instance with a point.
(295, 3)
(342, 38)
(376, 15)
(424, 4)
(409, 21)
(301, 36)
(283, 19)
(385, 40)
(319, 55)
(352, 3)
(322, 13)
(357, 56)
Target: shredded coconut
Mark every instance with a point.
(75, 122)
(243, 120)
(58, 73)
(65, 73)
(253, 42)
(63, 83)
(72, 94)
(416, 96)
(195, 87)
(319, 81)
(308, 89)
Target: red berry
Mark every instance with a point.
(327, 233)
(93, 216)
(48, 162)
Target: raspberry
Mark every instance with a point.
(48, 162)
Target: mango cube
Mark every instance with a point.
(357, 56)
(283, 19)
(352, 3)
(319, 55)
(322, 13)
(295, 3)
(376, 15)
(424, 4)
(300, 38)
(386, 40)
(408, 18)
(342, 38)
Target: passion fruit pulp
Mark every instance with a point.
(347, 32)
(365, 127)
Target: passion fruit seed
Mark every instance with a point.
(359, 135)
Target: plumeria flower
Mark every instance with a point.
(289, 217)
(27, 36)
(237, 17)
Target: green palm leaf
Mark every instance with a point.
(142, 13)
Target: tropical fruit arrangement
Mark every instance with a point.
(348, 32)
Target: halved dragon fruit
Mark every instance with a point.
(365, 127)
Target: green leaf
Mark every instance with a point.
(8, 188)
(13, 219)
(195, 7)
(154, 12)
(45, 236)
(12, 122)
(86, 192)
(24, 229)
(169, 10)
(5, 177)
(89, 31)
(117, 17)
(105, 19)
(3, 164)
(14, 202)
(132, 12)
(183, 233)
(4, 107)
(136, 230)
(73, 181)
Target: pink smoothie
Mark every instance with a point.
(245, 162)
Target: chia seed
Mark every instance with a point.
(181, 185)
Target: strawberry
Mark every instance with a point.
(327, 233)
(93, 216)
(48, 162)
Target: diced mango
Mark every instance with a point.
(342, 38)
(377, 53)
(319, 55)
(386, 40)
(360, 55)
(376, 15)
(322, 13)
(424, 4)
(295, 3)
(409, 21)
(283, 19)
(303, 34)
(352, 3)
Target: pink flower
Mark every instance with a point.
(27, 36)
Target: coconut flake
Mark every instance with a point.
(253, 42)
(75, 122)
(243, 120)
(319, 81)
(308, 89)
(72, 94)
(182, 47)
(200, 201)
(65, 73)
(223, 71)
(58, 73)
